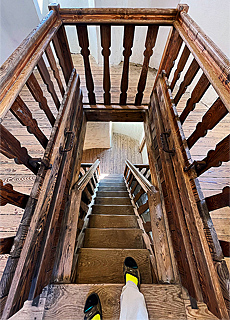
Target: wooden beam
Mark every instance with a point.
(115, 115)
(118, 16)
(142, 145)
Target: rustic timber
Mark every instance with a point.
(53, 65)
(12, 149)
(225, 245)
(42, 68)
(114, 114)
(127, 44)
(212, 61)
(37, 93)
(62, 50)
(215, 157)
(83, 39)
(106, 44)
(210, 119)
(180, 66)
(9, 195)
(24, 116)
(6, 244)
(189, 76)
(23, 74)
(219, 200)
(118, 16)
(150, 41)
(22, 288)
(13, 66)
(197, 93)
(213, 296)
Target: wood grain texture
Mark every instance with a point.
(112, 209)
(106, 43)
(180, 66)
(113, 238)
(68, 301)
(127, 44)
(112, 221)
(9, 195)
(92, 261)
(83, 39)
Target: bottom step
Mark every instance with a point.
(67, 301)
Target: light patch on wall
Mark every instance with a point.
(98, 135)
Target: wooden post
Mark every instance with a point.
(106, 43)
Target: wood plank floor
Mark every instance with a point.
(22, 179)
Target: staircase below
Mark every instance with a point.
(112, 234)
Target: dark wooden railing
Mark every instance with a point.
(80, 198)
(141, 187)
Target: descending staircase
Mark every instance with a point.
(113, 232)
(111, 236)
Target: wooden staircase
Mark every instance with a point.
(113, 232)
(112, 235)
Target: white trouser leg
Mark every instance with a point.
(133, 305)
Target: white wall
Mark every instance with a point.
(17, 20)
(98, 135)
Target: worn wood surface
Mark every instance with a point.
(127, 44)
(9, 195)
(6, 244)
(72, 298)
(106, 44)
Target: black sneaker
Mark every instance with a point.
(92, 309)
(131, 271)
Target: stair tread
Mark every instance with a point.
(113, 238)
(106, 265)
(112, 221)
(112, 209)
(112, 194)
(67, 301)
(113, 200)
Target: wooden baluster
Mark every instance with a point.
(6, 245)
(62, 50)
(11, 148)
(127, 44)
(49, 84)
(171, 52)
(149, 45)
(180, 66)
(210, 119)
(9, 195)
(24, 116)
(106, 43)
(53, 65)
(37, 93)
(215, 157)
(143, 208)
(134, 187)
(219, 200)
(190, 74)
(197, 93)
(84, 44)
(138, 195)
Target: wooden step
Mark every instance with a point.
(113, 201)
(103, 194)
(111, 184)
(111, 188)
(112, 221)
(107, 209)
(113, 238)
(106, 265)
(67, 301)
(111, 179)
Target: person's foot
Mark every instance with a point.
(92, 309)
(131, 271)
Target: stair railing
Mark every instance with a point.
(80, 198)
(163, 253)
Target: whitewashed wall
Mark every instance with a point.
(16, 22)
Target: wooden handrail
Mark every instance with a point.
(118, 16)
(144, 183)
(83, 181)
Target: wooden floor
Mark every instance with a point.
(21, 178)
